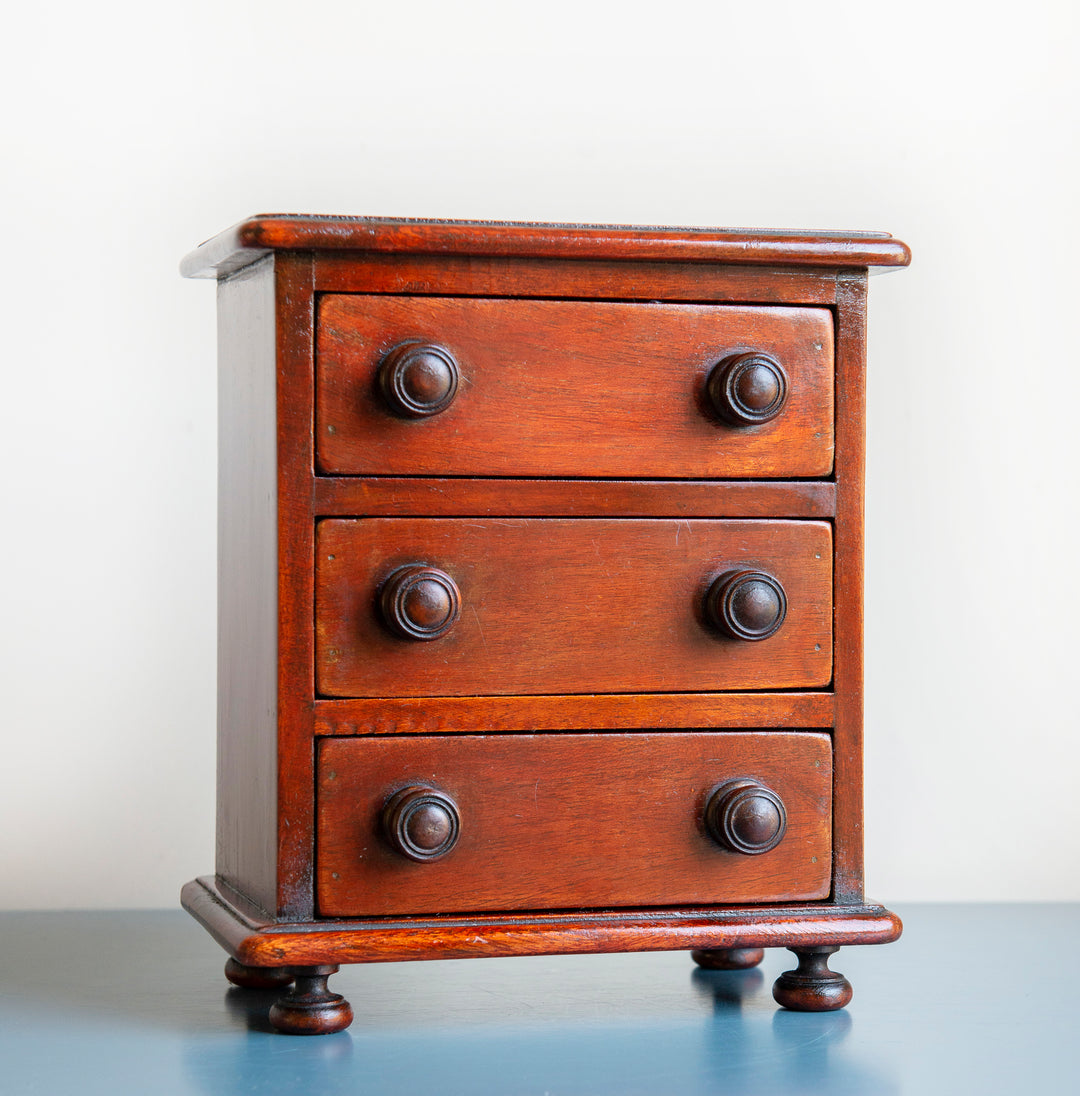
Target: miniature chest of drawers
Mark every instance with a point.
(540, 598)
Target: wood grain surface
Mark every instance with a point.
(246, 241)
(571, 388)
(246, 934)
(613, 280)
(565, 606)
(416, 496)
(621, 711)
(564, 821)
(294, 318)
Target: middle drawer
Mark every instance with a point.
(471, 606)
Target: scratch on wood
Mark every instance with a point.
(479, 625)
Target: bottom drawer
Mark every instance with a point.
(459, 823)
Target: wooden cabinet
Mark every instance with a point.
(540, 597)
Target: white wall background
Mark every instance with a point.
(133, 131)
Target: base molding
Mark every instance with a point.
(256, 940)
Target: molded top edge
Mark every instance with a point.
(249, 240)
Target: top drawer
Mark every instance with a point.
(572, 388)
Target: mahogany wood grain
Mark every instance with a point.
(565, 606)
(310, 1007)
(471, 276)
(259, 978)
(727, 958)
(713, 245)
(848, 586)
(583, 490)
(570, 388)
(569, 821)
(294, 325)
(628, 711)
(409, 496)
(247, 765)
(255, 941)
(812, 987)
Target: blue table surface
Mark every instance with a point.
(972, 999)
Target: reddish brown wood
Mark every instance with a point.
(272, 231)
(417, 380)
(257, 977)
(848, 588)
(812, 987)
(567, 821)
(310, 1008)
(421, 823)
(570, 388)
(467, 276)
(581, 607)
(746, 816)
(631, 711)
(748, 389)
(421, 496)
(569, 606)
(420, 603)
(746, 605)
(727, 958)
(258, 941)
(294, 325)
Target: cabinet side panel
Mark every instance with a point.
(247, 585)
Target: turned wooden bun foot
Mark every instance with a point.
(257, 977)
(311, 1009)
(812, 987)
(727, 958)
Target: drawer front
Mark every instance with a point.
(565, 606)
(570, 388)
(570, 821)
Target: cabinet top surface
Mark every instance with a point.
(249, 240)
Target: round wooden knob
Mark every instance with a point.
(421, 823)
(745, 816)
(746, 604)
(418, 380)
(420, 602)
(748, 389)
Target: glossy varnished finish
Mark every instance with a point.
(417, 380)
(514, 497)
(294, 325)
(765, 247)
(811, 986)
(747, 605)
(421, 823)
(558, 822)
(524, 515)
(746, 816)
(630, 711)
(310, 1007)
(258, 978)
(571, 388)
(419, 602)
(624, 280)
(727, 958)
(257, 941)
(558, 606)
